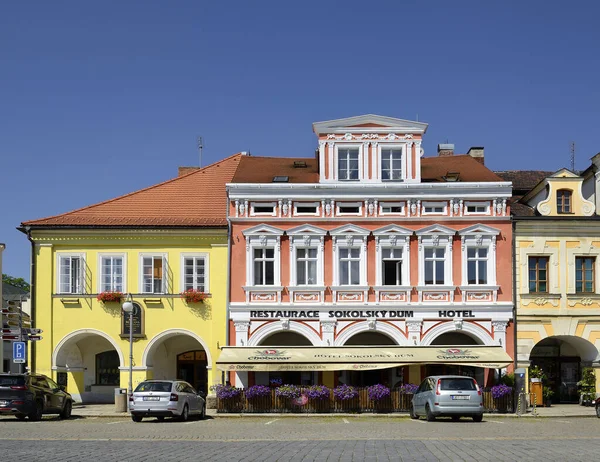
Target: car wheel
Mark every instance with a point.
(477, 417)
(429, 415)
(37, 412)
(136, 418)
(66, 412)
(185, 414)
(20, 416)
(160, 418)
(413, 414)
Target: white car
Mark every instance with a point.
(166, 398)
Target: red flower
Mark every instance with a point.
(193, 296)
(109, 296)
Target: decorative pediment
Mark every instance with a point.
(392, 230)
(350, 229)
(479, 229)
(434, 230)
(564, 173)
(306, 229)
(263, 229)
(369, 123)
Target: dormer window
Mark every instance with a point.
(348, 166)
(563, 201)
(391, 164)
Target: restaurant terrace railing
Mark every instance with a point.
(397, 401)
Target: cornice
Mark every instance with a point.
(385, 219)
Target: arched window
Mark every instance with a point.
(107, 368)
(563, 201)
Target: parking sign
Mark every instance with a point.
(19, 352)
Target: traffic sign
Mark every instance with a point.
(33, 331)
(19, 352)
(35, 338)
(10, 337)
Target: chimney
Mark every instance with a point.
(185, 170)
(445, 150)
(476, 153)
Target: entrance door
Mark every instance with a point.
(191, 367)
(569, 376)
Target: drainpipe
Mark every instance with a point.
(32, 296)
(514, 291)
(227, 289)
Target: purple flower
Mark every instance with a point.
(317, 392)
(344, 392)
(409, 388)
(498, 391)
(377, 392)
(257, 391)
(226, 391)
(288, 391)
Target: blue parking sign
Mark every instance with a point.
(19, 352)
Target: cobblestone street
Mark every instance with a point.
(302, 439)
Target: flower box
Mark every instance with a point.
(107, 297)
(193, 296)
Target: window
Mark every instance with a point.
(477, 261)
(107, 368)
(349, 266)
(477, 208)
(391, 208)
(391, 164)
(264, 267)
(538, 274)
(153, 275)
(306, 266)
(434, 208)
(585, 274)
(306, 208)
(349, 208)
(111, 273)
(434, 265)
(71, 272)
(195, 273)
(348, 164)
(391, 267)
(263, 209)
(563, 201)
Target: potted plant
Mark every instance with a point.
(547, 393)
(228, 397)
(318, 397)
(537, 377)
(587, 387)
(377, 394)
(406, 391)
(109, 296)
(501, 394)
(536, 374)
(346, 396)
(288, 394)
(193, 296)
(259, 398)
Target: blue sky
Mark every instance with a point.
(99, 99)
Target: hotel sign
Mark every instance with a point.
(355, 314)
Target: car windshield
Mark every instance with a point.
(8, 381)
(154, 386)
(458, 384)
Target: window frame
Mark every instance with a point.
(349, 204)
(392, 147)
(101, 257)
(397, 238)
(307, 204)
(255, 204)
(263, 236)
(560, 201)
(468, 204)
(82, 272)
(264, 259)
(537, 279)
(203, 255)
(583, 280)
(347, 146)
(426, 204)
(402, 205)
(349, 236)
(437, 236)
(477, 259)
(165, 275)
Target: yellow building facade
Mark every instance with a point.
(152, 245)
(556, 257)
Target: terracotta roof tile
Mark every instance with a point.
(435, 168)
(524, 180)
(197, 198)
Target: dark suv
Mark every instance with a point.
(25, 395)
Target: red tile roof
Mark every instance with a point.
(197, 198)
(471, 170)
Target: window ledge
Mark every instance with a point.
(392, 288)
(307, 287)
(262, 288)
(478, 287)
(435, 288)
(350, 287)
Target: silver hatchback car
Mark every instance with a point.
(448, 395)
(166, 398)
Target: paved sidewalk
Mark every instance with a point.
(557, 411)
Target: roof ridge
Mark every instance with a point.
(88, 207)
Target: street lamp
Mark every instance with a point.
(129, 308)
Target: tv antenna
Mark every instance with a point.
(573, 156)
(200, 146)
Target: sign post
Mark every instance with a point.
(19, 352)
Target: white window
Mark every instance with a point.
(71, 270)
(263, 260)
(477, 208)
(391, 208)
(391, 267)
(306, 266)
(262, 209)
(349, 208)
(434, 208)
(306, 208)
(112, 273)
(435, 262)
(195, 272)
(154, 274)
(349, 266)
(477, 262)
(391, 164)
(348, 163)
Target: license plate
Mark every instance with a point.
(461, 397)
(3, 403)
(151, 398)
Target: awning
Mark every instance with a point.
(357, 358)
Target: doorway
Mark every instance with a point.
(191, 367)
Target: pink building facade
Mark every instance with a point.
(369, 243)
